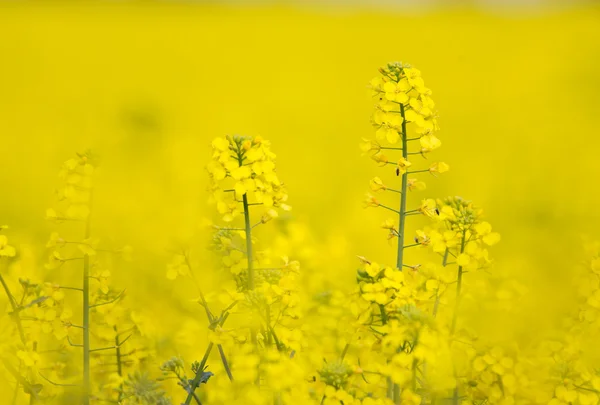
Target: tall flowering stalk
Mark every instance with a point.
(76, 195)
(402, 307)
(402, 99)
(99, 299)
(244, 180)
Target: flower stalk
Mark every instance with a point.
(458, 285)
(86, 315)
(403, 190)
(248, 232)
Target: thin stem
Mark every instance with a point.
(198, 378)
(225, 363)
(55, 383)
(249, 255)
(401, 227)
(248, 243)
(86, 315)
(437, 292)
(268, 323)
(15, 315)
(109, 301)
(458, 285)
(16, 393)
(70, 288)
(402, 212)
(384, 316)
(344, 351)
(210, 316)
(199, 374)
(119, 365)
(388, 208)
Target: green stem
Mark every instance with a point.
(196, 381)
(268, 322)
(455, 397)
(16, 393)
(344, 351)
(402, 213)
(119, 365)
(437, 292)
(199, 375)
(384, 316)
(458, 285)
(248, 229)
(209, 315)
(86, 316)
(388, 208)
(224, 361)
(248, 243)
(249, 255)
(395, 394)
(15, 308)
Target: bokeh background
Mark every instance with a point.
(147, 85)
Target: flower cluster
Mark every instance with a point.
(243, 168)
(76, 191)
(268, 337)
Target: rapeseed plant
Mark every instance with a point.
(106, 325)
(260, 295)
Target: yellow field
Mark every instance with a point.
(148, 87)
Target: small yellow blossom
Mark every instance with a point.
(402, 166)
(377, 185)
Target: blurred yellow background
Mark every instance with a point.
(148, 85)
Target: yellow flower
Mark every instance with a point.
(439, 167)
(372, 269)
(380, 158)
(5, 249)
(396, 91)
(463, 260)
(376, 184)
(440, 241)
(402, 166)
(422, 238)
(370, 201)
(220, 144)
(367, 146)
(414, 184)
(484, 231)
(429, 142)
(29, 357)
(244, 167)
(428, 207)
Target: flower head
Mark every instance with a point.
(244, 168)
